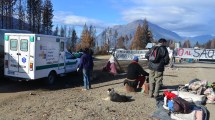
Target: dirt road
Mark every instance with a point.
(66, 101)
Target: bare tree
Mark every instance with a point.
(187, 44)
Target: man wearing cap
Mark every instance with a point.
(135, 71)
(156, 69)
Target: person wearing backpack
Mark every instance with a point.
(86, 65)
(158, 57)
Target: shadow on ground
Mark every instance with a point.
(70, 81)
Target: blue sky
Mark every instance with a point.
(185, 17)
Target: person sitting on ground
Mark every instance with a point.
(135, 75)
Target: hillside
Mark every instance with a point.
(157, 31)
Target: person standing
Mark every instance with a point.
(157, 69)
(113, 68)
(86, 65)
(135, 75)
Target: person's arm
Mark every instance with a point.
(141, 71)
(80, 66)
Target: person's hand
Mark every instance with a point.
(77, 69)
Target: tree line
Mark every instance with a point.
(33, 15)
(208, 45)
(112, 40)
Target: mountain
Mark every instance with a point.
(201, 39)
(130, 28)
(157, 31)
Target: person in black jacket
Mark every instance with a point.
(156, 69)
(135, 75)
(86, 65)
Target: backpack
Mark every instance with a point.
(153, 56)
(180, 105)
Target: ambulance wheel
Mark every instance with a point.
(51, 78)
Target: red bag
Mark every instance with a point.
(169, 95)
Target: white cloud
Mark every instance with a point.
(70, 19)
(190, 17)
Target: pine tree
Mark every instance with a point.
(30, 14)
(34, 15)
(38, 16)
(7, 12)
(147, 35)
(65, 30)
(62, 32)
(69, 32)
(197, 44)
(120, 42)
(10, 10)
(104, 37)
(187, 44)
(2, 13)
(110, 39)
(73, 40)
(21, 15)
(47, 16)
(126, 41)
(137, 42)
(55, 33)
(92, 32)
(115, 38)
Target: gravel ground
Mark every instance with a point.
(66, 101)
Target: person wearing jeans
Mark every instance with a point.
(86, 76)
(86, 65)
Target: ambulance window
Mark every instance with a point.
(13, 44)
(24, 45)
(61, 46)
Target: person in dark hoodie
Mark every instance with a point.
(86, 65)
(135, 75)
(156, 69)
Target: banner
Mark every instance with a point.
(196, 53)
(129, 54)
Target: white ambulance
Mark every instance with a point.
(34, 56)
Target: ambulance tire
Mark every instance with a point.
(51, 78)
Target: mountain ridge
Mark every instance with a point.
(157, 32)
